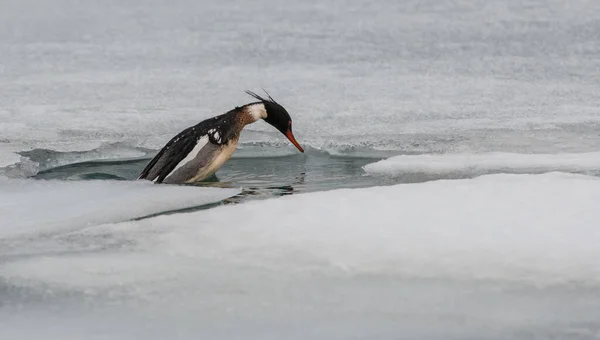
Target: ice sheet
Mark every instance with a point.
(529, 227)
(443, 164)
(28, 207)
(507, 255)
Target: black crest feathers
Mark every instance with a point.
(268, 99)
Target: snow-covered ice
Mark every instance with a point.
(405, 259)
(479, 163)
(511, 227)
(29, 207)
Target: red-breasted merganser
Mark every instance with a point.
(200, 150)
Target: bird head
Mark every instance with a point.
(278, 117)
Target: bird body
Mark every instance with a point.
(200, 150)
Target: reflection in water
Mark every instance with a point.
(100, 176)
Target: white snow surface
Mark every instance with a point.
(405, 259)
(513, 227)
(29, 207)
(440, 164)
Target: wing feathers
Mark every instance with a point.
(222, 129)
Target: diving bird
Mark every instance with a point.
(200, 150)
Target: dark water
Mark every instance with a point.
(258, 177)
(267, 177)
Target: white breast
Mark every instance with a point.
(216, 163)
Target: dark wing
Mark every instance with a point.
(218, 130)
(171, 154)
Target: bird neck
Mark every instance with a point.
(254, 112)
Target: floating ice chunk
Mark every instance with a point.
(32, 206)
(485, 163)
